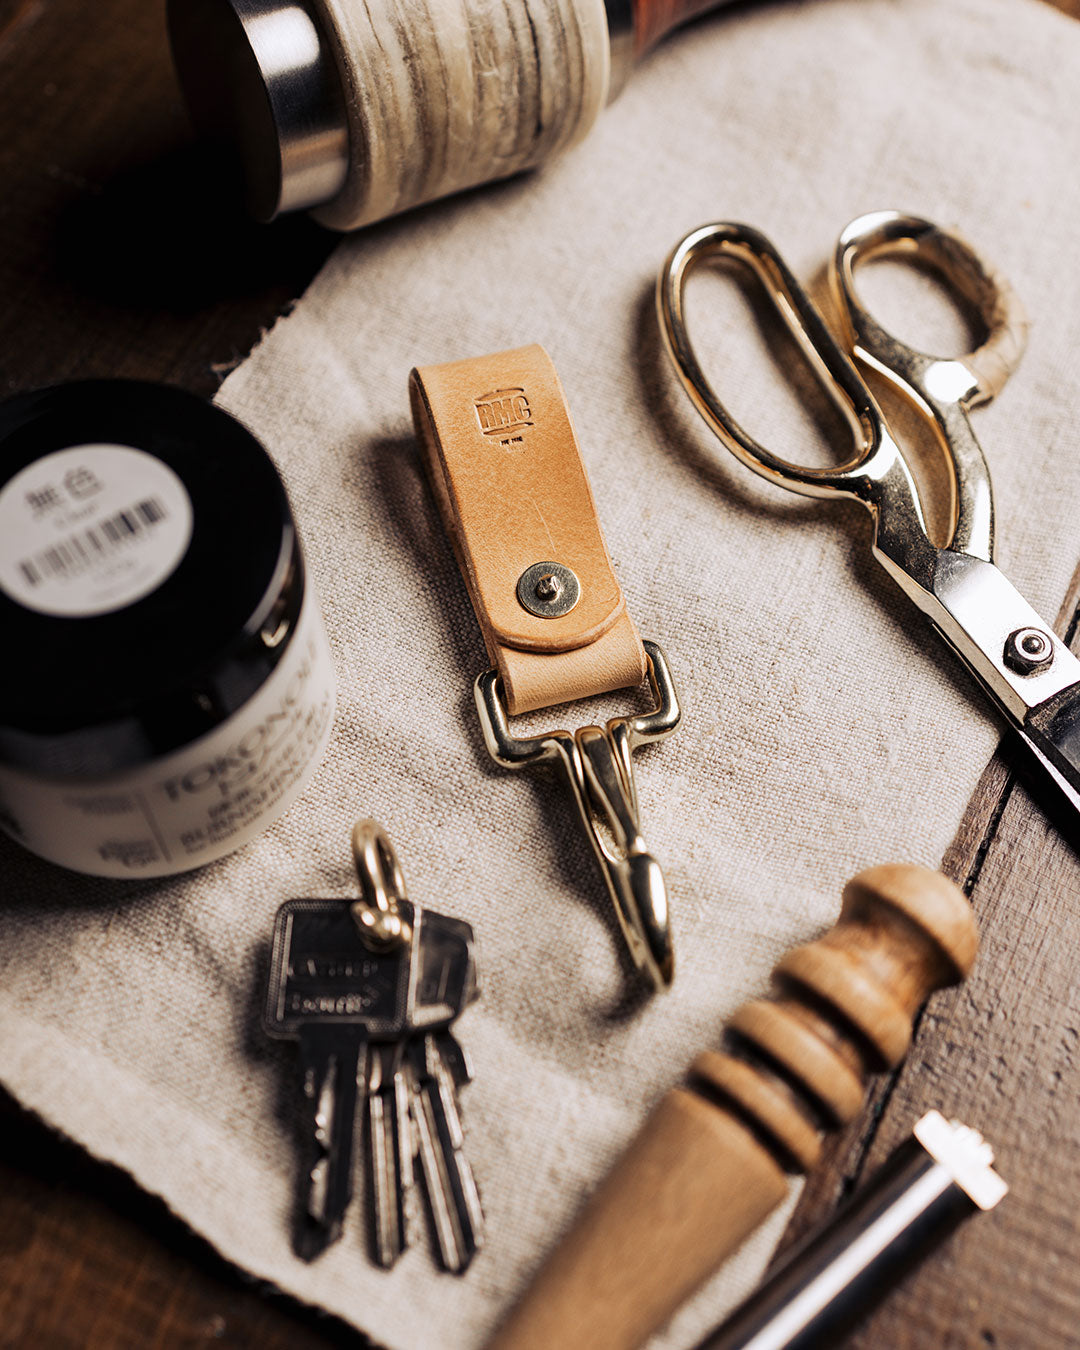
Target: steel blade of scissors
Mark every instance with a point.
(1052, 733)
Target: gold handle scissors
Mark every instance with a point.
(1028, 672)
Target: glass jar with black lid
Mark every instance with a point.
(166, 690)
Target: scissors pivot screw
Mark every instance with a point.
(1028, 650)
(548, 590)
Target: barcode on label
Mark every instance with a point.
(95, 544)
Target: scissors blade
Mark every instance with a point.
(1051, 732)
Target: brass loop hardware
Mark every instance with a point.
(595, 762)
(876, 472)
(749, 248)
(944, 389)
(382, 886)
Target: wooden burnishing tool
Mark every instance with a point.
(711, 1162)
(364, 108)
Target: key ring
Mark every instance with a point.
(511, 485)
(382, 885)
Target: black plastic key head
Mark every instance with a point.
(322, 973)
(446, 970)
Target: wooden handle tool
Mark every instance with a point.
(364, 108)
(711, 1161)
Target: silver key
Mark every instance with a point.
(456, 1215)
(415, 1109)
(446, 971)
(331, 1066)
(335, 995)
(390, 1174)
(446, 984)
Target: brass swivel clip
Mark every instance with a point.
(596, 764)
(377, 914)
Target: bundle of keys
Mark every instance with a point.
(370, 988)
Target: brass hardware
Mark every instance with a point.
(548, 589)
(596, 764)
(382, 885)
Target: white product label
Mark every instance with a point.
(91, 529)
(200, 802)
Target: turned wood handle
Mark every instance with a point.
(711, 1161)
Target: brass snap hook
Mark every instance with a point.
(595, 763)
(607, 801)
(382, 886)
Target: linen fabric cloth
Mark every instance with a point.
(825, 728)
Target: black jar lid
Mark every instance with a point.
(89, 692)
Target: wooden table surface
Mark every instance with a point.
(117, 259)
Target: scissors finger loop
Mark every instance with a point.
(835, 373)
(973, 378)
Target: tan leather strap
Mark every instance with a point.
(509, 480)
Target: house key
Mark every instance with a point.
(369, 988)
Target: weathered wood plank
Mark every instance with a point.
(86, 1259)
(1003, 1055)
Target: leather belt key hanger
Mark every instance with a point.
(511, 487)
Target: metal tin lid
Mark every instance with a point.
(150, 573)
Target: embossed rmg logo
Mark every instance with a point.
(503, 415)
